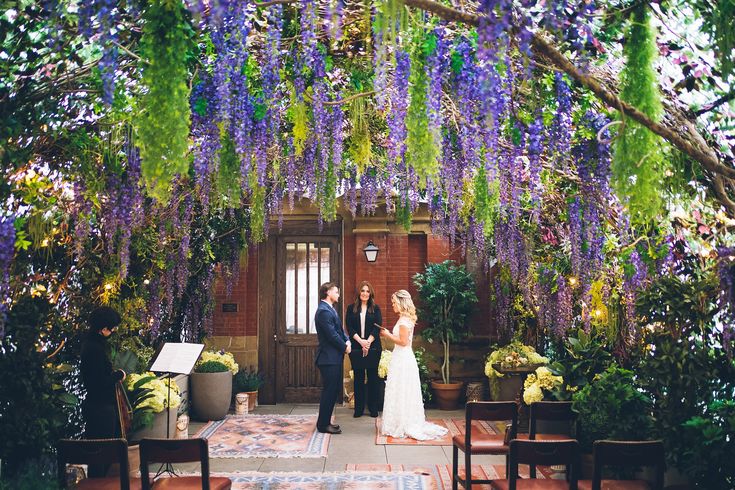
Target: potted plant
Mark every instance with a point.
(211, 385)
(511, 364)
(447, 294)
(148, 395)
(248, 381)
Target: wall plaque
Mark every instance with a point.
(229, 307)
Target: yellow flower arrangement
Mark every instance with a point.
(158, 387)
(225, 358)
(538, 383)
(513, 356)
(385, 358)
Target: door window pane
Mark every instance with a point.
(307, 267)
(290, 288)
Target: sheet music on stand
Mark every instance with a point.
(177, 358)
(174, 358)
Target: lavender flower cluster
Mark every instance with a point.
(7, 252)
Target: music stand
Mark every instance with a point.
(174, 358)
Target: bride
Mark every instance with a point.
(403, 409)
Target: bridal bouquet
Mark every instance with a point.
(385, 358)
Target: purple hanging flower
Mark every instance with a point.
(7, 252)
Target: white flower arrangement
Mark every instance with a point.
(225, 358)
(513, 356)
(537, 383)
(385, 358)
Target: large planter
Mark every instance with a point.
(211, 394)
(158, 429)
(511, 383)
(447, 395)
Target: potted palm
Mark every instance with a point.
(447, 296)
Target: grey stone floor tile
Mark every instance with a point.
(308, 465)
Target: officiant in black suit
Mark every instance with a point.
(362, 317)
(330, 354)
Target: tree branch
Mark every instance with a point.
(686, 138)
(714, 105)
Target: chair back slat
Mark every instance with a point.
(491, 411)
(173, 450)
(546, 453)
(94, 452)
(629, 453)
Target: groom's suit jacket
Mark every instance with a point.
(332, 339)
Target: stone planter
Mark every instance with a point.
(182, 381)
(211, 394)
(158, 429)
(447, 395)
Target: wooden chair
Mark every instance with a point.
(626, 453)
(179, 451)
(524, 451)
(559, 411)
(96, 451)
(474, 443)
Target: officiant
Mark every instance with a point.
(361, 317)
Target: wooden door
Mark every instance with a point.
(303, 263)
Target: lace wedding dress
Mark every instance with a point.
(403, 408)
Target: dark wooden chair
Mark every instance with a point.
(471, 442)
(179, 451)
(96, 452)
(552, 411)
(631, 454)
(535, 452)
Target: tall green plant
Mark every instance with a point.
(638, 162)
(163, 125)
(447, 294)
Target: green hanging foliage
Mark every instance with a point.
(403, 214)
(257, 209)
(228, 177)
(298, 114)
(390, 19)
(638, 161)
(422, 153)
(163, 127)
(327, 195)
(361, 147)
(487, 201)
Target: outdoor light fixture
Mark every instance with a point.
(371, 251)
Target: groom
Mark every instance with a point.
(333, 345)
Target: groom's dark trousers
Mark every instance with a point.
(329, 358)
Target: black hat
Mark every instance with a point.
(102, 317)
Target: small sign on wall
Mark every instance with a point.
(229, 307)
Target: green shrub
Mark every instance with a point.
(612, 407)
(211, 367)
(246, 380)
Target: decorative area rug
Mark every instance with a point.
(442, 474)
(455, 426)
(265, 436)
(361, 480)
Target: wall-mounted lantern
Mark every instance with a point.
(371, 251)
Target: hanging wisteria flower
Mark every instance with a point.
(7, 252)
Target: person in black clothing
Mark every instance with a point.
(361, 317)
(99, 408)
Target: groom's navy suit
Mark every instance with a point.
(329, 358)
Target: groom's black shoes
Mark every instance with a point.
(330, 429)
(335, 426)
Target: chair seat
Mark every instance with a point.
(107, 483)
(615, 485)
(191, 483)
(483, 443)
(531, 484)
(546, 437)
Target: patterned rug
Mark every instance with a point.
(455, 426)
(265, 436)
(442, 474)
(362, 480)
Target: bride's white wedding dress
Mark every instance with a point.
(403, 408)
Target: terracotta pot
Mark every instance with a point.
(447, 395)
(252, 400)
(211, 394)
